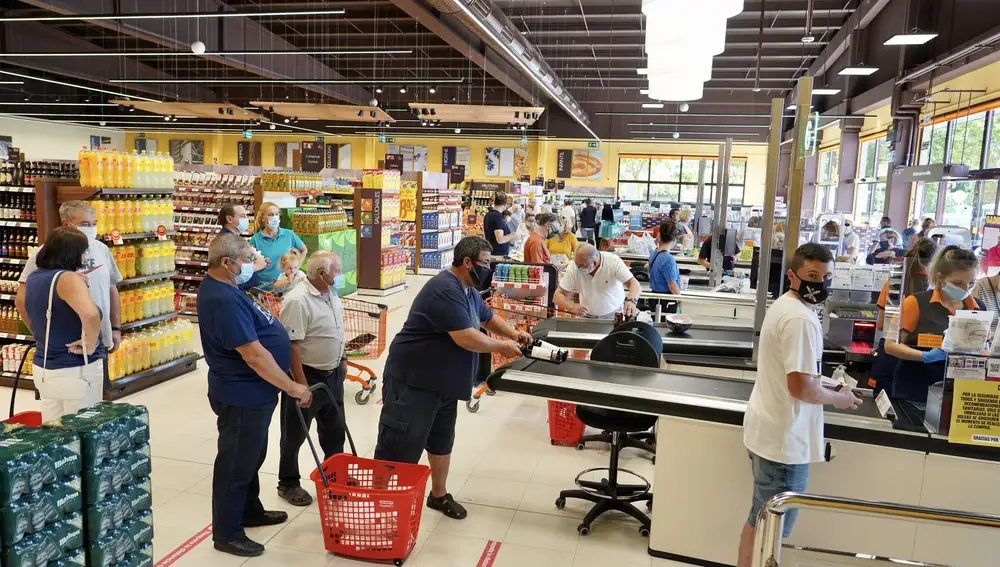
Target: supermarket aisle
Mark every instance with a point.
(503, 469)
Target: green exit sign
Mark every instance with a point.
(319, 139)
(593, 144)
(390, 140)
(247, 134)
(140, 135)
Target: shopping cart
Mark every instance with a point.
(364, 329)
(368, 509)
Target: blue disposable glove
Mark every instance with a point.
(933, 355)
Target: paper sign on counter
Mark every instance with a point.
(975, 413)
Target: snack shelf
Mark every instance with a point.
(130, 190)
(191, 263)
(148, 278)
(148, 321)
(16, 337)
(192, 209)
(192, 248)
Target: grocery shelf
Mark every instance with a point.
(187, 277)
(214, 190)
(148, 321)
(187, 294)
(198, 228)
(149, 278)
(15, 189)
(17, 337)
(189, 313)
(192, 248)
(25, 383)
(197, 209)
(17, 223)
(422, 271)
(191, 263)
(6, 297)
(14, 261)
(132, 191)
(444, 249)
(137, 235)
(150, 377)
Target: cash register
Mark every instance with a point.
(850, 325)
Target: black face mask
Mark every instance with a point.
(813, 293)
(479, 275)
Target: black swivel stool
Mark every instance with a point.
(637, 344)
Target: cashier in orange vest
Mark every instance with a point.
(923, 320)
(916, 261)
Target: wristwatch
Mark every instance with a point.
(634, 300)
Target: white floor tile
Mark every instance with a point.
(511, 555)
(543, 531)
(304, 533)
(483, 522)
(492, 492)
(445, 550)
(186, 510)
(280, 557)
(611, 542)
(541, 499)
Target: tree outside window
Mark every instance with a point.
(668, 178)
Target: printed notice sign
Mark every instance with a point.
(975, 413)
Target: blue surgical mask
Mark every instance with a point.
(955, 292)
(273, 223)
(243, 225)
(583, 271)
(338, 281)
(246, 272)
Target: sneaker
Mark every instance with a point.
(295, 495)
(447, 506)
(245, 547)
(270, 518)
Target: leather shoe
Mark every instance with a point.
(244, 547)
(270, 518)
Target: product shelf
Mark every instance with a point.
(192, 248)
(17, 337)
(130, 190)
(187, 277)
(14, 261)
(197, 209)
(148, 321)
(17, 224)
(137, 235)
(191, 263)
(17, 189)
(214, 190)
(116, 389)
(148, 278)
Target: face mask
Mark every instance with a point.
(955, 292)
(243, 225)
(273, 223)
(530, 225)
(583, 271)
(246, 272)
(338, 281)
(813, 293)
(89, 231)
(480, 275)
(553, 233)
(848, 229)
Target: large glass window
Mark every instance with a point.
(827, 179)
(670, 178)
(869, 200)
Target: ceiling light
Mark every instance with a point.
(295, 120)
(174, 16)
(686, 10)
(378, 90)
(131, 108)
(287, 120)
(167, 118)
(28, 98)
(432, 90)
(756, 88)
(29, 77)
(423, 123)
(820, 92)
(653, 105)
(912, 38)
(141, 53)
(808, 39)
(683, 107)
(644, 91)
(11, 82)
(860, 70)
(402, 90)
(198, 48)
(272, 126)
(677, 135)
(57, 103)
(642, 71)
(371, 114)
(458, 130)
(270, 81)
(675, 88)
(103, 123)
(230, 112)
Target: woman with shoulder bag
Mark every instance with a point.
(66, 324)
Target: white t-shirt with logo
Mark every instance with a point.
(777, 426)
(602, 294)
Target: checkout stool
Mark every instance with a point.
(638, 344)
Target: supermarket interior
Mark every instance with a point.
(508, 255)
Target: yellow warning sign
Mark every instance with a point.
(975, 413)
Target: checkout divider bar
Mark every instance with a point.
(771, 520)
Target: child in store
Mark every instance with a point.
(291, 275)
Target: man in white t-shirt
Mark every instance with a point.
(568, 216)
(852, 243)
(783, 425)
(597, 278)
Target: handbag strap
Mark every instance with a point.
(48, 325)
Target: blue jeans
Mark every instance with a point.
(235, 484)
(328, 416)
(771, 478)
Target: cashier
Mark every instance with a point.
(705, 255)
(597, 278)
(918, 258)
(923, 320)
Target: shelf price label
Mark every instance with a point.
(161, 232)
(116, 236)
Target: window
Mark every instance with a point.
(670, 178)
(967, 140)
(827, 179)
(869, 200)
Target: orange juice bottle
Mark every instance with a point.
(117, 159)
(102, 216)
(84, 167)
(130, 260)
(108, 158)
(128, 159)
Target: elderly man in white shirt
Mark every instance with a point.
(314, 318)
(597, 278)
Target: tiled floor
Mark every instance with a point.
(503, 468)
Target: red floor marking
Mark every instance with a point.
(185, 547)
(396, 308)
(489, 554)
(379, 402)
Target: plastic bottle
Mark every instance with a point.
(119, 164)
(108, 158)
(84, 167)
(130, 170)
(140, 170)
(169, 181)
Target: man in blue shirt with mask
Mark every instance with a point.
(432, 364)
(249, 355)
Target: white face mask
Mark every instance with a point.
(89, 231)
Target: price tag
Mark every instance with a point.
(116, 236)
(884, 405)
(161, 232)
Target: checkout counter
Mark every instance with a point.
(703, 483)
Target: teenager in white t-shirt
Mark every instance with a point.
(783, 425)
(597, 277)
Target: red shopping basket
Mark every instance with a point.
(368, 509)
(564, 427)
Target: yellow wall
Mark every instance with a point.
(367, 151)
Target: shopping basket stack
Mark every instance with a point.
(117, 497)
(368, 509)
(364, 329)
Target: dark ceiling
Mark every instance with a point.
(592, 46)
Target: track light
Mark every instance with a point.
(423, 123)
(167, 118)
(272, 126)
(516, 114)
(402, 90)
(534, 116)
(271, 108)
(222, 111)
(458, 130)
(287, 120)
(26, 99)
(371, 113)
(378, 90)
(684, 107)
(131, 108)
(229, 111)
(361, 113)
(295, 120)
(677, 135)
(432, 90)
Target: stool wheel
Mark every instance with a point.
(649, 504)
(397, 562)
(472, 405)
(362, 397)
(560, 502)
(644, 531)
(491, 392)
(583, 529)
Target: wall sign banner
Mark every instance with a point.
(394, 161)
(491, 186)
(248, 153)
(448, 155)
(312, 156)
(456, 173)
(975, 413)
(564, 163)
(332, 155)
(933, 173)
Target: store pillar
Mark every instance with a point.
(809, 186)
(848, 165)
(902, 147)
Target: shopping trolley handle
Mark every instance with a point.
(343, 420)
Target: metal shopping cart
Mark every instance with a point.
(364, 331)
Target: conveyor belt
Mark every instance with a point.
(704, 339)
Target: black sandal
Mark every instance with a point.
(447, 506)
(295, 495)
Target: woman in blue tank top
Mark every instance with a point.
(69, 354)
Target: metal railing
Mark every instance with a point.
(771, 519)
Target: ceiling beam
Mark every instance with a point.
(226, 34)
(840, 42)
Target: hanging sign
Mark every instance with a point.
(564, 163)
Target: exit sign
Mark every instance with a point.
(381, 139)
(247, 135)
(593, 144)
(140, 135)
(319, 139)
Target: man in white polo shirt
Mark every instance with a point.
(597, 277)
(314, 318)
